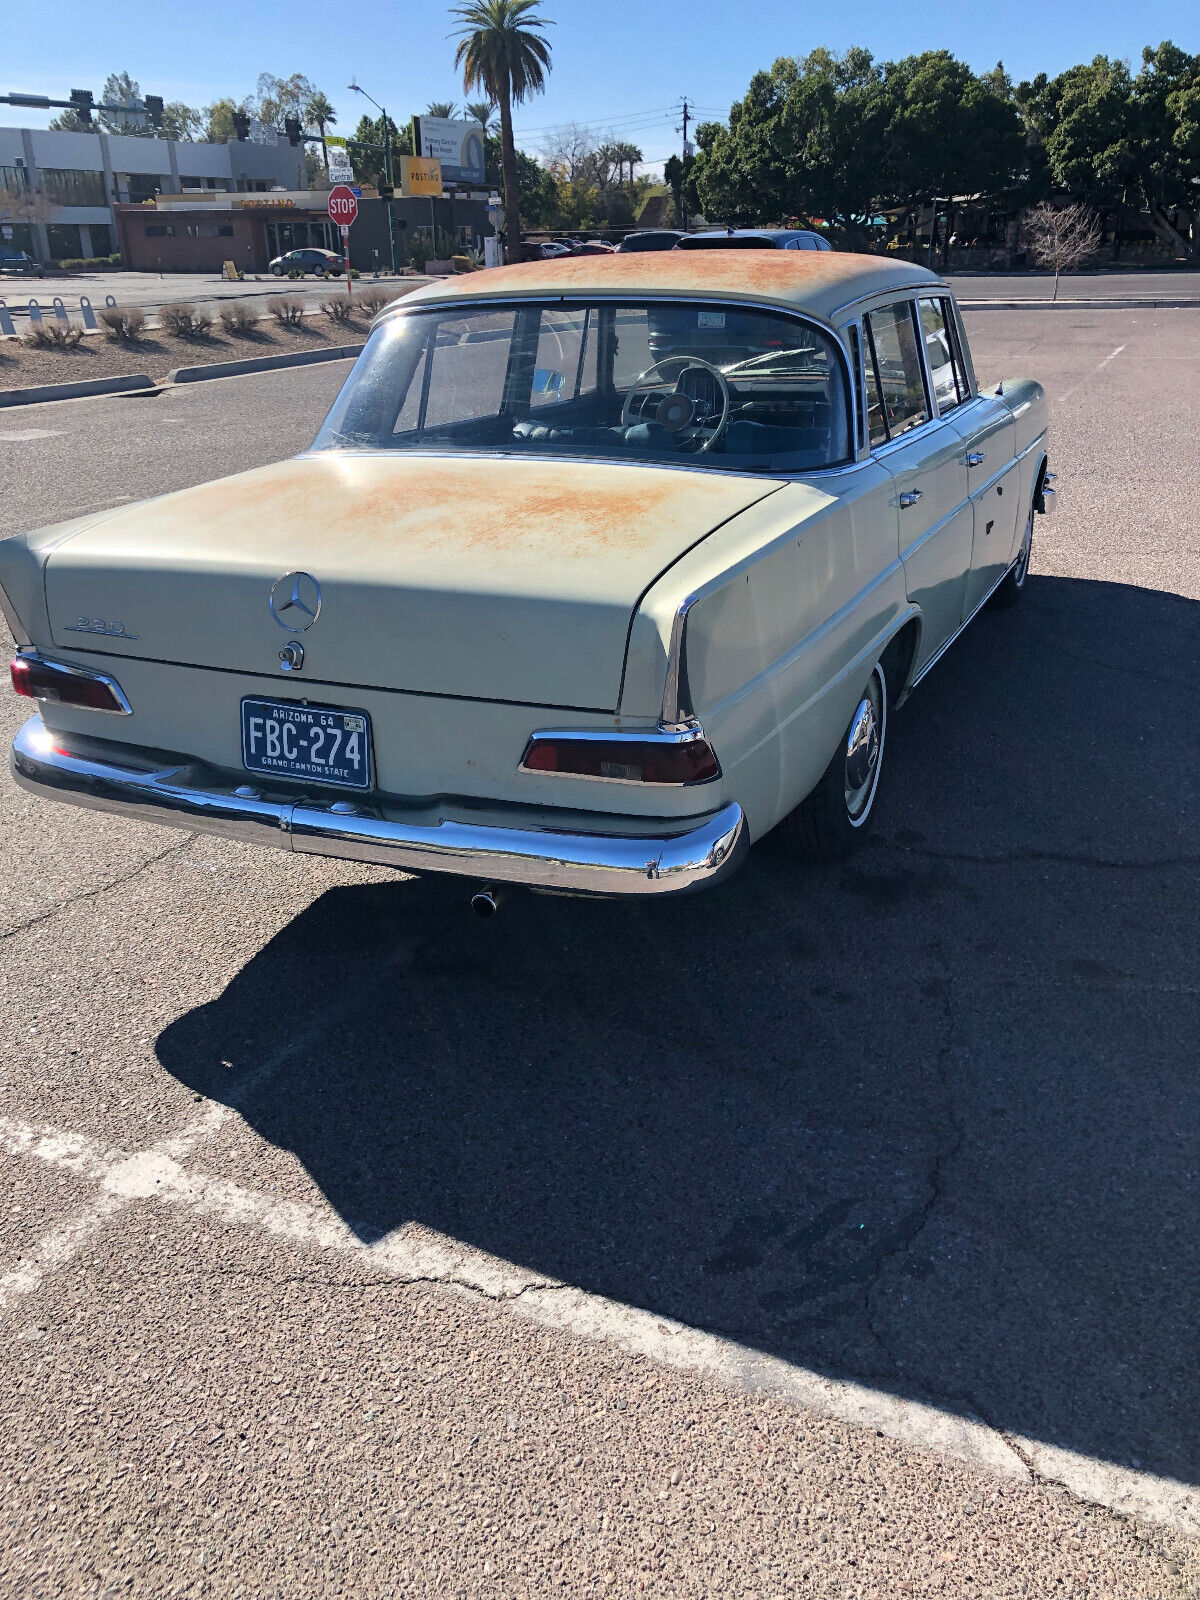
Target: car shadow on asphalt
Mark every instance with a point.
(926, 1121)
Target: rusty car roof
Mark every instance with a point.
(817, 281)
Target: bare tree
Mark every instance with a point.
(1061, 237)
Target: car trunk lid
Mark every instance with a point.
(493, 578)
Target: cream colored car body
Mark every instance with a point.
(469, 602)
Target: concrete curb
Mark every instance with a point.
(76, 391)
(1113, 304)
(237, 369)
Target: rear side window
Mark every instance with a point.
(895, 381)
(946, 371)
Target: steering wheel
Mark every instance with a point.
(690, 418)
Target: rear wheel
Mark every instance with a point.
(835, 818)
(1012, 585)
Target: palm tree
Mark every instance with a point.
(502, 51)
(481, 111)
(631, 157)
(319, 112)
(441, 108)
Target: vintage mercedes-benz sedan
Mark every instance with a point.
(597, 571)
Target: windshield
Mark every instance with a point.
(745, 390)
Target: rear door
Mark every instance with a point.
(925, 458)
(986, 429)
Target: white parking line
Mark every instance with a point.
(1100, 366)
(412, 1254)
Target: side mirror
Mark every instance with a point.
(549, 383)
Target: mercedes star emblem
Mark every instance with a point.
(296, 601)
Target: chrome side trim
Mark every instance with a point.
(689, 733)
(677, 699)
(66, 670)
(104, 776)
(937, 656)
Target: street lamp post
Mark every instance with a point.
(387, 167)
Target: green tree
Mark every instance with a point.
(367, 154)
(483, 112)
(277, 98)
(70, 122)
(680, 175)
(182, 122)
(218, 120)
(1166, 106)
(441, 108)
(319, 114)
(123, 92)
(503, 52)
(539, 194)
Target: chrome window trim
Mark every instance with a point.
(67, 669)
(631, 297)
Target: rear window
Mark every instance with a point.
(665, 382)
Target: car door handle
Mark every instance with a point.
(910, 497)
(976, 458)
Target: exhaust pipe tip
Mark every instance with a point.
(486, 902)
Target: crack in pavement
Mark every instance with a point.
(1012, 858)
(94, 893)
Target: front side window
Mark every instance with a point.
(665, 381)
(942, 353)
(896, 385)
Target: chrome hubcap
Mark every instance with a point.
(864, 745)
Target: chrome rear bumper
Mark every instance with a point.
(142, 784)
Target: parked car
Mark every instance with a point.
(595, 247)
(651, 239)
(321, 263)
(579, 611)
(755, 239)
(553, 250)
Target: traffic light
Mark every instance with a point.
(291, 126)
(241, 125)
(82, 102)
(387, 191)
(154, 110)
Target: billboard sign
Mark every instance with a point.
(340, 170)
(457, 145)
(418, 175)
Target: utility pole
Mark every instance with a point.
(685, 127)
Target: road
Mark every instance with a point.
(830, 1234)
(1087, 286)
(150, 291)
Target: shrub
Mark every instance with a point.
(294, 272)
(185, 320)
(339, 307)
(53, 335)
(287, 310)
(373, 300)
(125, 323)
(236, 318)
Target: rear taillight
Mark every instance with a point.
(67, 686)
(667, 758)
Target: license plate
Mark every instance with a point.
(295, 741)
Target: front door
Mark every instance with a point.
(926, 461)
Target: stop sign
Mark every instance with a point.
(343, 205)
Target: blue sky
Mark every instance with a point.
(622, 66)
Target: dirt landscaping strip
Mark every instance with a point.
(158, 353)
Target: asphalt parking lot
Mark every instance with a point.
(832, 1234)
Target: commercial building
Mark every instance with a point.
(199, 232)
(83, 177)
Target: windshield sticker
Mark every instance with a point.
(710, 319)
